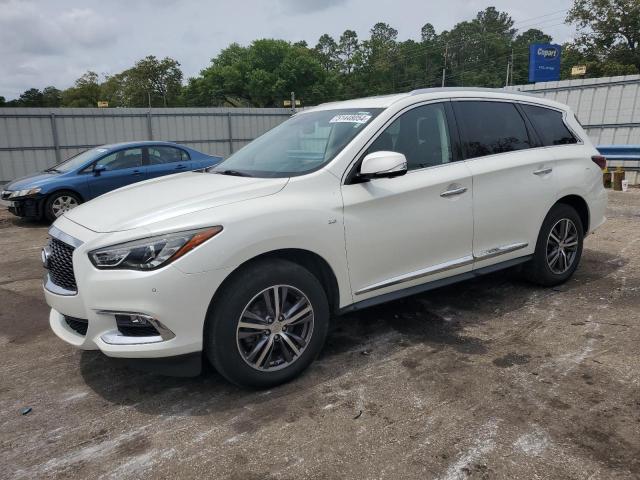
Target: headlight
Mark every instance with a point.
(152, 252)
(25, 193)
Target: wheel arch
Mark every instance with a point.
(65, 189)
(313, 262)
(580, 205)
(45, 199)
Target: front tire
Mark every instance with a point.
(558, 248)
(267, 324)
(60, 202)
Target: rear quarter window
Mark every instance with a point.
(549, 125)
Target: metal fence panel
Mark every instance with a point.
(608, 107)
(32, 139)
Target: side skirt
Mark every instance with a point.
(406, 292)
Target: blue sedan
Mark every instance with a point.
(96, 171)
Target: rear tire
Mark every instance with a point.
(267, 324)
(558, 248)
(60, 202)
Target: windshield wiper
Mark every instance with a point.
(234, 173)
(52, 170)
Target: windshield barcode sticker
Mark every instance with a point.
(351, 118)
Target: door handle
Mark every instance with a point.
(543, 171)
(136, 172)
(453, 191)
(180, 167)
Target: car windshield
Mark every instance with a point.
(302, 144)
(77, 160)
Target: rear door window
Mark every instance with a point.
(549, 126)
(489, 128)
(162, 154)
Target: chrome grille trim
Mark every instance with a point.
(60, 278)
(55, 232)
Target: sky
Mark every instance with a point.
(53, 42)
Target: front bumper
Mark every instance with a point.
(179, 301)
(26, 207)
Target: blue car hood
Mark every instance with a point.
(31, 181)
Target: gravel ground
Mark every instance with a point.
(491, 378)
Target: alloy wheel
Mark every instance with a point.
(274, 328)
(63, 204)
(562, 246)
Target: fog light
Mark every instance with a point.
(134, 319)
(133, 324)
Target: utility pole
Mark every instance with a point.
(509, 69)
(511, 65)
(444, 65)
(506, 82)
(293, 102)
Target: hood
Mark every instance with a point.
(164, 198)
(31, 181)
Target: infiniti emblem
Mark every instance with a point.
(45, 254)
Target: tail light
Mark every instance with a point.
(600, 161)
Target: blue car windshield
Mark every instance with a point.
(78, 160)
(302, 144)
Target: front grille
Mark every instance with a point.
(77, 324)
(60, 265)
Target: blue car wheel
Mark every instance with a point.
(60, 202)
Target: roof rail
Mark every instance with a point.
(468, 89)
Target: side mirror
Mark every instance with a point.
(383, 165)
(98, 169)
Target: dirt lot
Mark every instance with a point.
(492, 378)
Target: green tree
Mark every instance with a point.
(573, 55)
(479, 50)
(609, 30)
(520, 47)
(84, 93)
(328, 52)
(31, 98)
(51, 97)
(152, 82)
(262, 74)
(347, 48)
(3, 101)
(427, 33)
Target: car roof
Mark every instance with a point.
(143, 143)
(423, 94)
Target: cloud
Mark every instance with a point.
(26, 29)
(46, 42)
(309, 6)
(40, 47)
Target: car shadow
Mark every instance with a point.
(437, 319)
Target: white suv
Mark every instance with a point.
(341, 207)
